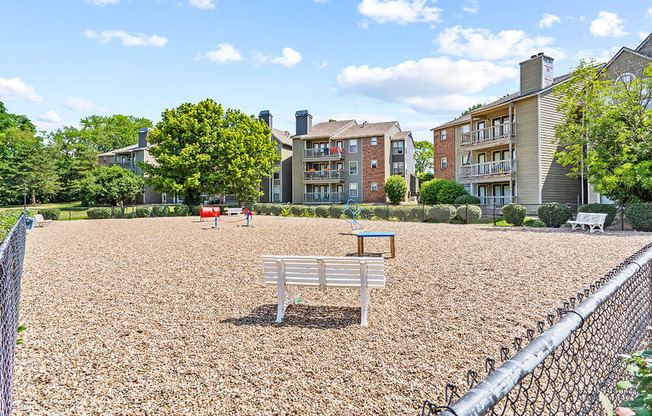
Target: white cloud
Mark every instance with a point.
(127, 40)
(289, 57)
(430, 84)
(607, 24)
(508, 45)
(603, 55)
(50, 117)
(399, 11)
(320, 65)
(547, 20)
(15, 88)
(79, 104)
(202, 4)
(471, 6)
(223, 55)
(648, 13)
(102, 3)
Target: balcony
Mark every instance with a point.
(489, 135)
(489, 170)
(128, 164)
(323, 198)
(400, 172)
(323, 176)
(324, 153)
(497, 201)
(398, 151)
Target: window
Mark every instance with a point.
(466, 128)
(443, 135)
(353, 189)
(626, 79)
(374, 186)
(353, 167)
(397, 168)
(444, 163)
(353, 146)
(374, 141)
(397, 147)
(374, 163)
(465, 159)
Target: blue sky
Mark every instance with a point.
(420, 62)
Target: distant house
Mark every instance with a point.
(128, 158)
(340, 160)
(278, 187)
(504, 151)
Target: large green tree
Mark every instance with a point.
(200, 149)
(105, 133)
(606, 134)
(26, 162)
(8, 121)
(75, 159)
(110, 185)
(423, 156)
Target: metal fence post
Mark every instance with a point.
(467, 212)
(550, 216)
(622, 217)
(69, 214)
(493, 212)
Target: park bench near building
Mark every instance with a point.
(593, 220)
(236, 211)
(290, 272)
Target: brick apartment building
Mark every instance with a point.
(444, 148)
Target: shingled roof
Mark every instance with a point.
(367, 130)
(282, 136)
(328, 129)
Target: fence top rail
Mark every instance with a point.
(481, 398)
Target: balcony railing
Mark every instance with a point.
(500, 167)
(323, 175)
(276, 197)
(323, 198)
(398, 172)
(324, 153)
(131, 165)
(488, 134)
(398, 151)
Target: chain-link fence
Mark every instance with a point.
(563, 369)
(12, 252)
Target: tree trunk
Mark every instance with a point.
(33, 197)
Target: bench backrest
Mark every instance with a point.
(231, 210)
(591, 217)
(39, 218)
(324, 271)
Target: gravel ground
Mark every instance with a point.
(167, 316)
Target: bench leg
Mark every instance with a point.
(364, 293)
(280, 287)
(392, 247)
(360, 246)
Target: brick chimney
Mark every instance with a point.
(266, 117)
(142, 137)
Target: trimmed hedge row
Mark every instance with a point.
(50, 214)
(415, 213)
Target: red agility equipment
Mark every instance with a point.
(209, 212)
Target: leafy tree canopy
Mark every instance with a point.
(200, 149)
(423, 156)
(105, 133)
(8, 121)
(606, 133)
(110, 185)
(473, 107)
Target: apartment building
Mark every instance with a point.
(340, 160)
(278, 187)
(128, 158)
(504, 151)
(444, 147)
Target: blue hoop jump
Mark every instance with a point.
(353, 208)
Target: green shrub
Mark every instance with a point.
(467, 199)
(381, 211)
(7, 221)
(367, 211)
(256, 208)
(425, 177)
(531, 222)
(514, 214)
(181, 210)
(554, 215)
(160, 211)
(473, 215)
(286, 210)
(119, 212)
(298, 210)
(50, 214)
(441, 191)
(401, 213)
(98, 213)
(395, 188)
(640, 216)
(143, 212)
(321, 211)
(610, 209)
(415, 213)
(442, 213)
(195, 210)
(309, 211)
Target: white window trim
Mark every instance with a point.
(356, 167)
(351, 141)
(351, 189)
(443, 135)
(372, 186)
(372, 163)
(443, 161)
(374, 141)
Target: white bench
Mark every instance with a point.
(236, 211)
(593, 220)
(288, 272)
(39, 221)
